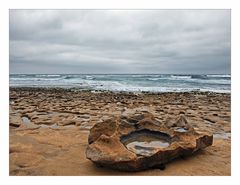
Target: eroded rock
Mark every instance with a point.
(15, 120)
(139, 142)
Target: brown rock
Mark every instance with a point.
(139, 142)
(212, 119)
(107, 128)
(66, 122)
(15, 120)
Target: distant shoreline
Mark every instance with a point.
(75, 89)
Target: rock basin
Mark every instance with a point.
(145, 142)
(139, 142)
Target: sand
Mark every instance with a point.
(49, 129)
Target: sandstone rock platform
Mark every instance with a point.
(139, 142)
(42, 143)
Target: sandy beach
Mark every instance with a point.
(49, 129)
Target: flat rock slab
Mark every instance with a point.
(139, 142)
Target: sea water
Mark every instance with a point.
(127, 82)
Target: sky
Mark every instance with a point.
(120, 41)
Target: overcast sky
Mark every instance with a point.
(123, 41)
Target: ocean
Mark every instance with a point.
(127, 82)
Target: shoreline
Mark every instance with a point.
(49, 128)
(78, 89)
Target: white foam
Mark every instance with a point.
(150, 83)
(220, 76)
(181, 77)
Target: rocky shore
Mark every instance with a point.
(49, 129)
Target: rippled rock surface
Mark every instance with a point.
(138, 142)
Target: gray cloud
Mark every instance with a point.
(120, 41)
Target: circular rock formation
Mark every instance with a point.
(139, 142)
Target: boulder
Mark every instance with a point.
(139, 142)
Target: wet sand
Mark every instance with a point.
(49, 129)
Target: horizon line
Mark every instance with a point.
(119, 73)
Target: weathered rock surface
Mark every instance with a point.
(42, 145)
(139, 142)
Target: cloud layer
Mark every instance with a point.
(120, 41)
